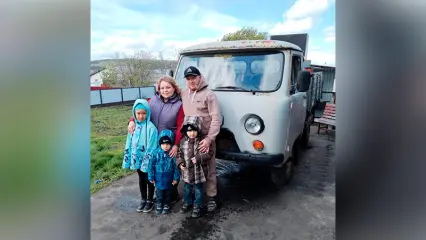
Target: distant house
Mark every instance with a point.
(96, 78)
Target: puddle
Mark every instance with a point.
(239, 184)
(200, 228)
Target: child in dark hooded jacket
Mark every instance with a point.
(163, 171)
(194, 165)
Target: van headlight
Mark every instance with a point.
(254, 125)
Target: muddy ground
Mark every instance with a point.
(250, 207)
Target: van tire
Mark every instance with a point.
(281, 176)
(296, 151)
(306, 132)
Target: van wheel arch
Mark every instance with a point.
(281, 176)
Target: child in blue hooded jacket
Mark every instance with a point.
(163, 171)
(140, 146)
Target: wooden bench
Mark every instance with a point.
(328, 118)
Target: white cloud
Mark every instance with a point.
(170, 47)
(125, 42)
(321, 57)
(292, 26)
(306, 8)
(330, 34)
(320, 53)
(119, 29)
(116, 28)
(113, 16)
(300, 16)
(132, 41)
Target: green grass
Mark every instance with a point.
(108, 138)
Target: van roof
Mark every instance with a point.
(240, 44)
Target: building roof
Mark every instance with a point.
(323, 66)
(97, 70)
(319, 68)
(241, 44)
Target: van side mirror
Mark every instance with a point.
(171, 73)
(303, 81)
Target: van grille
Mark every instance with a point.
(225, 141)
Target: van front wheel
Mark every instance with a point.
(282, 175)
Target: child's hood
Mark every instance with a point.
(193, 120)
(168, 133)
(145, 104)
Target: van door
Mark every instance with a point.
(298, 101)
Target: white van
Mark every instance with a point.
(261, 88)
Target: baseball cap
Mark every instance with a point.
(191, 71)
(165, 139)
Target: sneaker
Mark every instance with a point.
(196, 212)
(159, 209)
(141, 205)
(211, 205)
(185, 208)
(148, 207)
(166, 209)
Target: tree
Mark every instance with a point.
(129, 71)
(138, 70)
(246, 33)
(177, 53)
(109, 75)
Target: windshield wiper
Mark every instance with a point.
(234, 87)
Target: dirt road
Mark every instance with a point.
(251, 208)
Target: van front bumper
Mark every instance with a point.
(262, 159)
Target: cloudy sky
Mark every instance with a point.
(165, 26)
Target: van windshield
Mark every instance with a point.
(237, 71)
